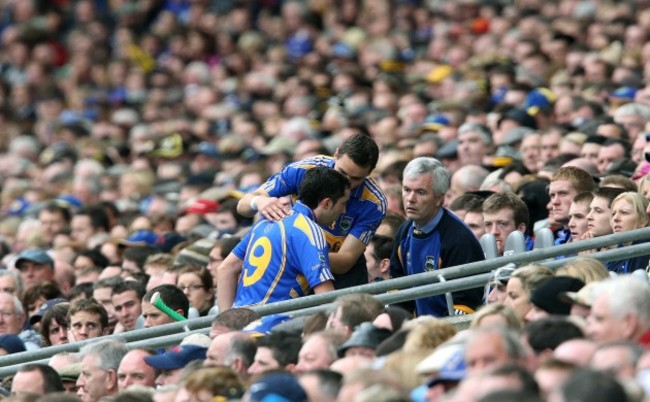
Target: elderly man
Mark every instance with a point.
(35, 266)
(233, 349)
(433, 238)
(134, 370)
(99, 365)
(12, 317)
(621, 311)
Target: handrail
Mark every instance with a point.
(418, 284)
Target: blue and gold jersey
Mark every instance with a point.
(282, 260)
(364, 210)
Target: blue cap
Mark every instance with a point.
(35, 255)
(142, 238)
(342, 50)
(623, 93)
(298, 45)
(12, 343)
(265, 325)
(277, 387)
(540, 98)
(453, 369)
(207, 149)
(435, 122)
(70, 200)
(44, 308)
(18, 207)
(176, 357)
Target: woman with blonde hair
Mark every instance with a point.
(587, 269)
(629, 213)
(495, 314)
(520, 286)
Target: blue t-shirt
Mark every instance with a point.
(364, 211)
(282, 260)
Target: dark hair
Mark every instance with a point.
(609, 193)
(329, 381)
(526, 380)
(58, 313)
(173, 297)
(549, 332)
(98, 217)
(91, 306)
(511, 395)
(244, 347)
(227, 244)
(98, 259)
(57, 208)
(468, 203)
(321, 183)
(592, 386)
(284, 346)
(85, 289)
(51, 379)
(361, 149)
(383, 246)
(46, 290)
(110, 282)
(126, 286)
(139, 254)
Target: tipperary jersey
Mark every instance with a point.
(364, 212)
(282, 259)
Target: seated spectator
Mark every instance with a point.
(170, 364)
(86, 319)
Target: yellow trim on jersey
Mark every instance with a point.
(283, 264)
(303, 225)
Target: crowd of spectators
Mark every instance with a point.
(130, 129)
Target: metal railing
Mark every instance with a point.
(396, 290)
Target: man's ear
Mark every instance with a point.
(384, 265)
(181, 312)
(522, 227)
(325, 203)
(336, 154)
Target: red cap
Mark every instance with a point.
(202, 207)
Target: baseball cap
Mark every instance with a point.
(141, 238)
(521, 117)
(439, 358)
(546, 295)
(202, 207)
(176, 357)
(453, 368)
(584, 297)
(11, 343)
(197, 339)
(265, 325)
(435, 123)
(537, 99)
(277, 387)
(35, 255)
(70, 373)
(365, 335)
(44, 308)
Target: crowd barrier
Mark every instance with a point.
(396, 290)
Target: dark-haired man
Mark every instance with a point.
(281, 260)
(349, 235)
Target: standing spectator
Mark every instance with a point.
(355, 158)
(425, 242)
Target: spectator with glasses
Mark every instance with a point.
(196, 283)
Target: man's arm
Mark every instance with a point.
(272, 208)
(227, 277)
(324, 287)
(348, 254)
